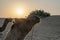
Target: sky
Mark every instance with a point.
(8, 7)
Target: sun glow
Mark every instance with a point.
(20, 11)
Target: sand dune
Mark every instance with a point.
(47, 29)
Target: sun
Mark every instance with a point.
(20, 11)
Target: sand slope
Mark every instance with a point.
(47, 29)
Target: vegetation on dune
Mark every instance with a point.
(39, 13)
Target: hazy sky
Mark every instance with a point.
(7, 6)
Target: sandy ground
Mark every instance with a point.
(47, 29)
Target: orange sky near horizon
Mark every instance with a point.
(8, 8)
(11, 10)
